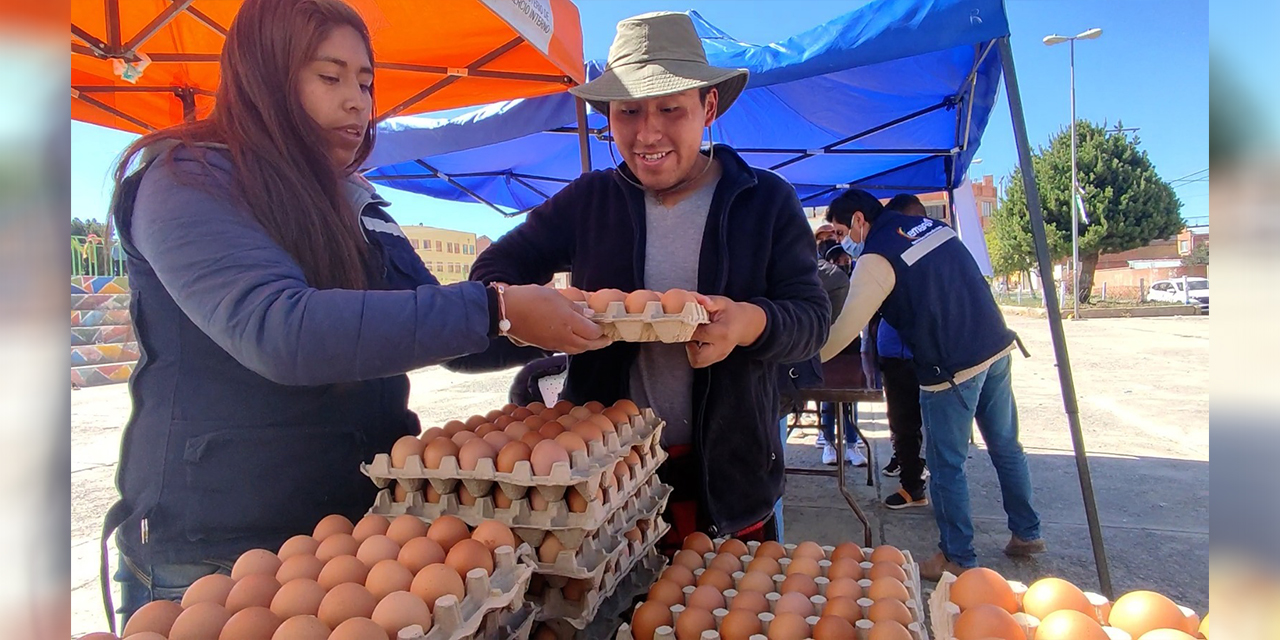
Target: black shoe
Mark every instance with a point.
(903, 500)
(893, 469)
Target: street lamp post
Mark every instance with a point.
(1051, 40)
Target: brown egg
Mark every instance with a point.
(345, 601)
(545, 455)
(498, 440)
(475, 421)
(1138, 612)
(387, 577)
(800, 583)
(302, 628)
(752, 601)
(486, 429)
(564, 406)
(804, 566)
(298, 546)
(679, 575)
(404, 448)
(605, 424)
(454, 426)
(581, 413)
(734, 546)
(330, 525)
(536, 501)
(756, 581)
(574, 590)
(535, 406)
(705, 597)
(432, 434)
(845, 568)
(740, 624)
(473, 451)
(431, 495)
(788, 626)
(255, 561)
(809, 550)
(699, 542)
(674, 301)
(771, 549)
(550, 548)
(692, 622)
(405, 528)
(370, 525)
(551, 430)
(847, 551)
(493, 534)
(252, 623)
(981, 585)
(573, 293)
(467, 555)
(516, 429)
(571, 442)
(1047, 595)
(211, 588)
(844, 588)
(983, 621)
(358, 629)
(887, 570)
(721, 580)
(890, 610)
(400, 493)
(435, 581)
(647, 618)
(438, 450)
(637, 300)
(448, 531)
(889, 630)
(794, 602)
(465, 497)
(156, 616)
(1166, 634)
(500, 500)
(631, 410)
(616, 417)
(887, 553)
(568, 421)
(588, 431)
(103, 635)
(666, 592)
(846, 608)
(299, 597)
(342, 569)
(887, 587)
(376, 549)
(462, 437)
(726, 562)
(549, 415)
(252, 591)
(338, 544)
(576, 501)
(201, 621)
(512, 453)
(535, 422)
(622, 473)
(833, 628)
(1069, 624)
(688, 559)
(399, 610)
(532, 439)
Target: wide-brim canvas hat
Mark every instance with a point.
(659, 54)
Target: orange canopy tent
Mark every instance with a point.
(140, 65)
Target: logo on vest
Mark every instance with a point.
(914, 233)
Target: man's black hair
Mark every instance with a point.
(907, 203)
(853, 200)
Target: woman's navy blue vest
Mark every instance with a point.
(940, 303)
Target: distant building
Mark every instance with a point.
(483, 243)
(1158, 260)
(447, 253)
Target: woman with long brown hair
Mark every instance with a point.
(277, 306)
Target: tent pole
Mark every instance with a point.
(584, 140)
(1055, 319)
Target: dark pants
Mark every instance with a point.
(902, 395)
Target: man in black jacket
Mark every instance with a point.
(674, 216)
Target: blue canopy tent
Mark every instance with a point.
(892, 97)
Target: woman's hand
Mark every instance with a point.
(540, 316)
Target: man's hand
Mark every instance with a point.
(733, 324)
(540, 316)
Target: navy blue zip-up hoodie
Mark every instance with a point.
(757, 247)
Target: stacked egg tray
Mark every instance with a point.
(609, 615)
(584, 471)
(916, 626)
(501, 624)
(944, 613)
(652, 325)
(488, 600)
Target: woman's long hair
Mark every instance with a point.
(283, 173)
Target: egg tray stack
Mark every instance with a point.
(652, 325)
(609, 614)
(913, 621)
(944, 613)
(502, 624)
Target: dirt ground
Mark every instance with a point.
(1143, 387)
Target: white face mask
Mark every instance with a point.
(854, 249)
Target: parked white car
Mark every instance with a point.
(1197, 292)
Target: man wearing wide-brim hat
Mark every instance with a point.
(672, 215)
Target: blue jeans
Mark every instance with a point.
(948, 416)
(162, 582)
(827, 421)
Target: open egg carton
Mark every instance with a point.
(557, 515)
(487, 600)
(862, 628)
(652, 325)
(584, 471)
(943, 612)
(613, 604)
(590, 557)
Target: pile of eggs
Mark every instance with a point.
(782, 593)
(673, 301)
(990, 607)
(362, 581)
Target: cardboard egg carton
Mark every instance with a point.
(652, 325)
(943, 612)
(593, 554)
(466, 619)
(584, 470)
(556, 516)
(910, 568)
(862, 628)
(601, 620)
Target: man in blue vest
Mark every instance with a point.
(926, 284)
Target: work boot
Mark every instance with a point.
(1019, 548)
(933, 568)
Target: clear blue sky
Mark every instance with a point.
(1149, 69)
